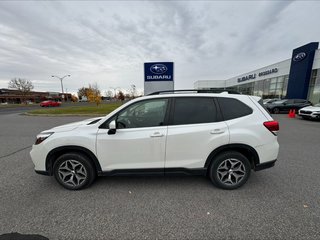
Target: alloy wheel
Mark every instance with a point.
(72, 173)
(231, 171)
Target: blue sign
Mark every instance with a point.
(300, 70)
(158, 71)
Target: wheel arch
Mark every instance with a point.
(248, 151)
(57, 152)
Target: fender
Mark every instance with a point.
(246, 150)
(53, 154)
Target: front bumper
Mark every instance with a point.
(265, 165)
(38, 155)
(310, 115)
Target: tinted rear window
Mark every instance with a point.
(300, 101)
(232, 108)
(194, 110)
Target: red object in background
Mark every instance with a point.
(292, 113)
(50, 104)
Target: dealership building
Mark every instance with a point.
(297, 77)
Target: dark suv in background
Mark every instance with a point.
(286, 105)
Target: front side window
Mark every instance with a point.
(149, 113)
(194, 110)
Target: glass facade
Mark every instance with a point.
(314, 87)
(277, 87)
(267, 88)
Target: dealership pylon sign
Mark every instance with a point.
(158, 76)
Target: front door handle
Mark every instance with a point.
(217, 131)
(157, 134)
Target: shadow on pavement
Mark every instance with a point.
(18, 236)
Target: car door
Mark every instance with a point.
(195, 130)
(300, 103)
(139, 141)
(288, 105)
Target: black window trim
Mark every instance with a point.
(104, 125)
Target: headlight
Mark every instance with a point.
(42, 136)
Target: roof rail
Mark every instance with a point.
(195, 91)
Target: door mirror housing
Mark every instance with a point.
(112, 127)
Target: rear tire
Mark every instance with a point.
(276, 110)
(229, 170)
(74, 171)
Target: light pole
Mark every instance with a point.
(61, 78)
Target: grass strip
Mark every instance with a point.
(102, 109)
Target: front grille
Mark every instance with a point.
(305, 112)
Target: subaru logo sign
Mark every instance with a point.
(158, 69)
(299, 57)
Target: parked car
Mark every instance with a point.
(270, 100)
(286, 105)
(50, 103)
(222, 136)
(310, 112)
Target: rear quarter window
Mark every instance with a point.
(232, 108)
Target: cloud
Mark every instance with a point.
(108, 42)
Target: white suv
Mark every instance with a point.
(222, 136)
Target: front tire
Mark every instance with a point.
(230, 170)
(74, 171)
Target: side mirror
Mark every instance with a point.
(112, 128)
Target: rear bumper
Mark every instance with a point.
(265, 165)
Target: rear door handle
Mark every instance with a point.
(217, 131)
(157, 134)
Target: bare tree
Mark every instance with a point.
(120, 96)
(133, 91)
(23, 86)
(109, 94)
(83, 92)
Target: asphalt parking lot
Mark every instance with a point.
(279, 203)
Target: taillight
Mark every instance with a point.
(272, 126)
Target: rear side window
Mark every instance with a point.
(300, 101)
(194, 110)
(232, 108)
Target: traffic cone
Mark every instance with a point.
(293, 113)
(290, 114)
